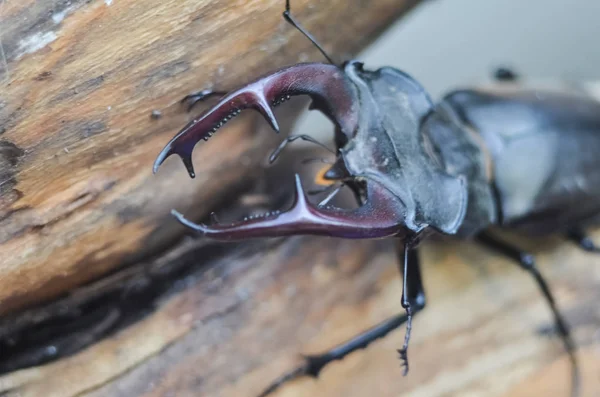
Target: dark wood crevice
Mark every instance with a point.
(105, 306)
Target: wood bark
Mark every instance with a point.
(231, 323)
(78, 82)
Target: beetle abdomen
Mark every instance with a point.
(544, 146)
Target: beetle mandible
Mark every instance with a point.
(418, 168)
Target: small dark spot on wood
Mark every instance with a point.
(156, 114)
(166, 71)
(9, 198)
(43, 76)
(9, 120)
(90, 194)
(81, 198)
(12, 212)
(86, 87)
(10, 155)
(91, 128)
(129, 213)
(16, 222)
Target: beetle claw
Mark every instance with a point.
(403, 354)
(192, 99)
(375, 219)
(330, 90)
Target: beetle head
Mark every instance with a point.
(341, 97)
(389, 146)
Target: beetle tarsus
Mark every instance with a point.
(413, 294)
(403, 355)
(527, 262)
(584, 241)
(199, 96)
(403, 352)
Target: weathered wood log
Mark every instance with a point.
(78, 82)
(238, 316)
(227, 319)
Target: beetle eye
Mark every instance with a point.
(337, 171)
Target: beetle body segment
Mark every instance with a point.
(462, 152)
(544, 149)
(388, 148)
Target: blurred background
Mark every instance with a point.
(449, 43)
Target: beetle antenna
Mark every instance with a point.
(307, 138)
(311, 160)
(287, 15)
(325, 189)
(330, 196)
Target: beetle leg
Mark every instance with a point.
(413, 294)
(307, 138)
(378, 217)
(330, 196)
(580, 238)
(313, 364)
(199, 96)
(527, 262)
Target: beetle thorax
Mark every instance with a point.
(388, 148)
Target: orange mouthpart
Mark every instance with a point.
(320, 177)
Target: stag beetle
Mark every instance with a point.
(418, 168)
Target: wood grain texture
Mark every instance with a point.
(236, 325)
(78, 81)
